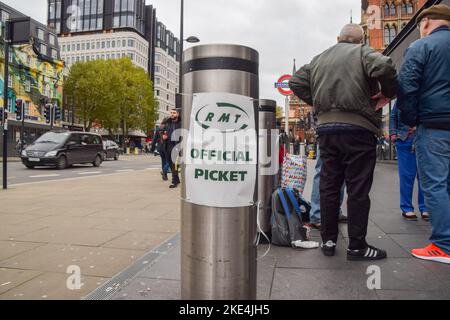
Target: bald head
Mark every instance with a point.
(351, 32)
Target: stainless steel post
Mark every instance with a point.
(218, 249)
(267, 176)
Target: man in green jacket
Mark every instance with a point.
(346, 84)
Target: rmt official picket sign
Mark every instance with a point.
(219, 173)
(221, 151)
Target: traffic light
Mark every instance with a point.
(19, 110)
(57, 113)
(48, 113)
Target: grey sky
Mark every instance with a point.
(279, 30)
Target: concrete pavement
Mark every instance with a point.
(306, 274)
(101, 224)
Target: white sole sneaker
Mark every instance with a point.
(435, 259)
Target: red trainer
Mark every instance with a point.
(431, 253)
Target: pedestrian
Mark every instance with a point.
(159, 144)
(424, 101)
(341, 84)
(172, 148)
(403, 136)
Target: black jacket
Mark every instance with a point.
(171, 128)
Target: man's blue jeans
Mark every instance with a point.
(407, 171)
(164, 162)
(314, 214)
(433, 160)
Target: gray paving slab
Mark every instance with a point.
(286, 273)
(302, 284)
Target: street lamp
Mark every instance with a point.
(191, 39)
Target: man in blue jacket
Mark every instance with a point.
(424, 101)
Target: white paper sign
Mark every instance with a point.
(221, 151)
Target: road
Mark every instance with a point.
(18, 174)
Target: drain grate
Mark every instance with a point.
(120, 280)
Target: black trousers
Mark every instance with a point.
(169, 153)
(349, 157)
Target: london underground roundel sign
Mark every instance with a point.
(282, 85)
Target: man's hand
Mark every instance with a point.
(393, 138)
(381, 101)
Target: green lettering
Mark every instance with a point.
(243, 174)
(234, 176)
(225, 117)
(198, 173)
(223, 176)
(210, 116)
(195, 153)
(211, 175)
(237, 118)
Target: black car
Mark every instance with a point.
(110, 150)
(64, 148)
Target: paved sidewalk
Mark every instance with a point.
(101, 224)
(292, 274)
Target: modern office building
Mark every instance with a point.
(35, 74)
(104, 29)
(167, 69)
(109, 29)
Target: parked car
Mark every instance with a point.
(64, 148)
(110, 150)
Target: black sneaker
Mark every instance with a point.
(328, 248)
(164, 176)
(173, 186)
(367, 254)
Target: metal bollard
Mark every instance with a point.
(218, 244)
(267, 178)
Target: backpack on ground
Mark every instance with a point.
(287, 225)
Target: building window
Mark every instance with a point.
(410, 8)
(43, 49)
(88, 46)
(40, 34)
(78, 47)
(124, 43)
(393, 10)
(131, 43)
(52, 39)
(386, 10)
(5, 15)
(54, 54)
(393, 33)
(404, 8)
(387, 35)
(157, 93)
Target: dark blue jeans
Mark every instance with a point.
(407, 171)
(433, 160)
(164, 162)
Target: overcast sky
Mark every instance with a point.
(279, 30)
